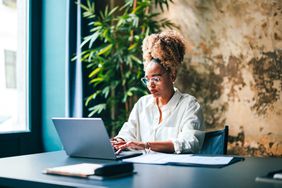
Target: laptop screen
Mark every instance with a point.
(84, 137)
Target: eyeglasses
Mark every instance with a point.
(154, 79)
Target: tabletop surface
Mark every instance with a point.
(27, 170)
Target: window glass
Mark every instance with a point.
(13, 66)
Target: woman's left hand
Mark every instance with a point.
(131, 145)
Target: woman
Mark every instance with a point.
(166, 120)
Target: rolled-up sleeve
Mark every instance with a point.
(191, 135)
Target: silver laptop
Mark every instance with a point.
(87, 137)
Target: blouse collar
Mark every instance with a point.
(172, 103)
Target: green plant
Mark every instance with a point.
(112, 51)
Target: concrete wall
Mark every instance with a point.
(235, 68)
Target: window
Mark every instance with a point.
(10, 69)
(13, 66)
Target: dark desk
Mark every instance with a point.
(26, 171)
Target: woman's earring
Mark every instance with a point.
(172, 78)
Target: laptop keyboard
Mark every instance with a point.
(126, 154)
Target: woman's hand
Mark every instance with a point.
(116, 142)
(130, 145)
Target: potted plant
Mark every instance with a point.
(113, 53)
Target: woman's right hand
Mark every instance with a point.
(117, 142)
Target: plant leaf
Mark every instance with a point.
(94, 72)
(105, 50)
(97, 109)
(93, 37)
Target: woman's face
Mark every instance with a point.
(160, 83)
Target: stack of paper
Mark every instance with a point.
(80, 170)
(161, 158)
(90, 170)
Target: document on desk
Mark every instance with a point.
(92, 170)
(181, 159)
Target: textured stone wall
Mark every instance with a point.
(235, 68)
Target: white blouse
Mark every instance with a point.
(182, 123)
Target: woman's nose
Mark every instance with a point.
(151, 84)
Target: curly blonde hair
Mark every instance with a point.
(168, 47)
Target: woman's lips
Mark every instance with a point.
(153, 91)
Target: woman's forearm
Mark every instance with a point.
(161, 146)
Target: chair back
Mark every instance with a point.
(215, 142)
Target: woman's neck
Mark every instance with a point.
(161, 101)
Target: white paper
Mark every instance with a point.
(83, 169)
(155, 158)
(160, 158)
